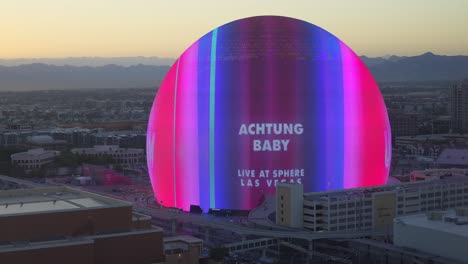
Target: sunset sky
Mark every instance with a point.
(165, 28)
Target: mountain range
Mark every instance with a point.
(90, 61)
(39, 76)
(128, 72)
(425, 67)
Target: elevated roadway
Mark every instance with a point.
(216, 222)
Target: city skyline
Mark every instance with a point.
(55, 29)
(299, 131)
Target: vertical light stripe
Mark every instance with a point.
(212, 117)
(174, 135)
(187, 129)
(353, 120)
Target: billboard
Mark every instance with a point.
(264, 100)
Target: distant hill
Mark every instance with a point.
(40, 76)
(378, 60)
(425, 67)
(43, 76)
(91, 61)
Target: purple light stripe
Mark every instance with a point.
(187, 124)
(353, 119)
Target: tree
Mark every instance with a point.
(67, 159)
(5, 159)
(218, 253)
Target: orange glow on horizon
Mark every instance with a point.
(106, 28)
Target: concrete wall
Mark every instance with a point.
(139, 247)
(69, 223)
(140, 221)
(135, 248)
(283, 209)
(70, 254)
(384, 209)
(289, 207)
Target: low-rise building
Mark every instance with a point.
(375, 251)
(125, 156)
(442, 233)
(453, 158)
(376, 207)
(63, 225)
(34, 158)
(182, 249)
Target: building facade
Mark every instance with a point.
(63, 225)
(33, 158)
(376, 207)
(78, 137)
(124, 156)
(77, 227)
(459, 106)
(402, 123)
(288, 204)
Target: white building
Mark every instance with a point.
(439, 233)
(125, 156)
(376, 207)
(33, 158)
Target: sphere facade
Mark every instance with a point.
(264, 100)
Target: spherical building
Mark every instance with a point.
(264, 100)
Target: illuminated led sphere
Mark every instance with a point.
(263, 100)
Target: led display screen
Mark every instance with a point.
(264, 100)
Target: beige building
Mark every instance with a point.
(33, 158)
(289, 204)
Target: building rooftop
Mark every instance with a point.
(33, 153)
(439, 173)
(453, 157)
(180, 244)
(186, 239)
(51, 199)
(42, 139)
(404, 186)
(444, 221)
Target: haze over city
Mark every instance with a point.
(67, 28)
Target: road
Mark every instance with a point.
(214, 222)
(20, 181)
